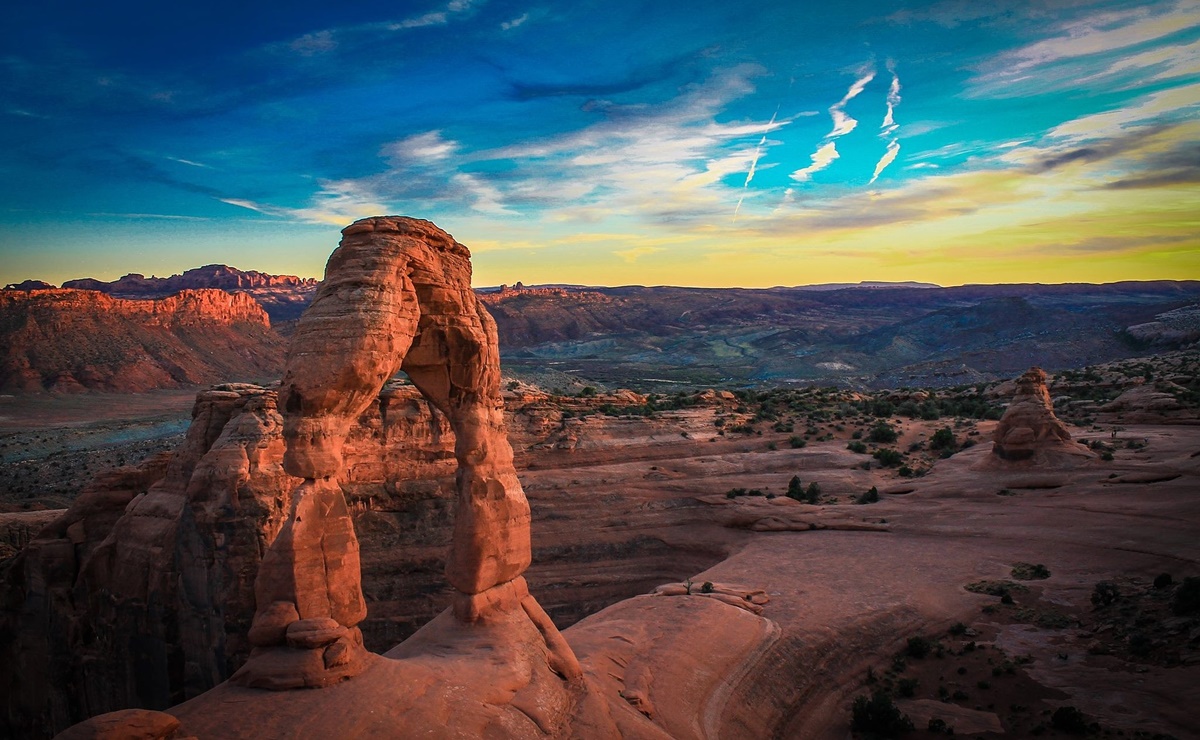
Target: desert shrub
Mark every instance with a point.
(856, 446)
(888, 457)
(1030, 572)
(857, 434)
(1105, 593)
(907, 687)
(795, 488)
(918, 647)
(739, 492)
(1069, 720)
(870, 497)
(938, 725)
(994, 588)
(1106, 456)
(707, 588)
(879, 716)
(882, 409)
(958, 628)
(905, 471)
(812, 494)
(796, 441)
(1162, 580)
(943, 439)
(1187, 597)
(882, 432)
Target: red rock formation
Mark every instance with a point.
(396, 295)
(1029, 427)
(208, 276)
(75, 339)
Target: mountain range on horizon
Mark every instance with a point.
(657, 338)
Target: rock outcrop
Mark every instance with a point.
(1029, 428)
(283, 297)
(396, 295)
(72, 340)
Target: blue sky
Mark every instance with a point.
(699, 143)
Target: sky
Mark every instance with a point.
(608, 143)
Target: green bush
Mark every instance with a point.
(1030, 572)
(796, 441)
(882, 432)
(856, 446)
(943, 439)
(888, 457)
(918, 647)
(879, 716)
(870, 497)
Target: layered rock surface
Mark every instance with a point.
(1029, 429)
(72, 340)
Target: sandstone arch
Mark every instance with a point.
(396, 295)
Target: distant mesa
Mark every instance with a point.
(870, 284)
(67, 340)
(28, 285)
(283, 297)
(208, 276)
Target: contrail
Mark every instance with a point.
(843, 123)
(893, 148)
(754, 161)
(889, 125)
(893, 99)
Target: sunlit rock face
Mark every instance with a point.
(1029, 426)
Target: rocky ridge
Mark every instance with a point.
(70, 340)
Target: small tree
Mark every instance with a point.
(813, 494)
(795, 488)
(943, 439)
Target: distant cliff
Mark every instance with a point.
(71, 340)
(284, 297)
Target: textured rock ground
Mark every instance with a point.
(839, 601)
(854, 595)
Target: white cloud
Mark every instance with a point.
(1090, 42)
(889, 126)
(515, 22)
(889, 156)
(843, 123)
(419, 148)
(821, 159)
(312, 44)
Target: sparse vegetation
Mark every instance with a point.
(1030, 572)
(879, 716)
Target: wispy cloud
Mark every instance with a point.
(190, 163)
(893, 99)
(515, 22)
(889, 156)
(1095, 48)
(821, 159)
(843, 124)
(754, 161)
(437, 17)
